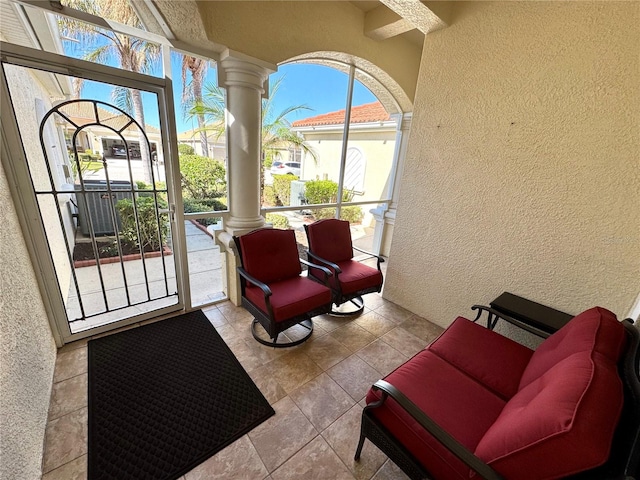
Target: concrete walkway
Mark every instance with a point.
(205, 277)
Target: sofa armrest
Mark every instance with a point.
(459, 450)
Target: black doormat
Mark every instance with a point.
(165, 397)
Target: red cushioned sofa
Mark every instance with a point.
(475, 404)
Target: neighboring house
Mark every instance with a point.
(370, 149)
(105, 142)
(217, 146)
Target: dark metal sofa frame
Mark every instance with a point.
(624, 459)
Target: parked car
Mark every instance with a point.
(285, 168)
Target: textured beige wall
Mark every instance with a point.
(27, 352)
(523, 166)
(277, 31)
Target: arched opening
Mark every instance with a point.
(350, 116)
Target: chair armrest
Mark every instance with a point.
(335, 266)
(263, 286)
(326, 271)
(455, 447)
(494, 316)
(370, 255)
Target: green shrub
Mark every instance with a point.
(202, 177)
(147, 221)
(353, 214)
(270, 197)
(184, 149)
(320, 191)
(326, 191)
(282, 187)
(205, 205)
(278, 221)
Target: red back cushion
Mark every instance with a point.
(330, 239)
(270, 255)
(559, 424)
(562, 419)
(596, 329)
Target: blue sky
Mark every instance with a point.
(322, 89)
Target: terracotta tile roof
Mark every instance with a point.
(369, 112)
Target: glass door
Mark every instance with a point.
(102, 195)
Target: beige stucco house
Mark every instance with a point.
(369, 155)
(519, 148)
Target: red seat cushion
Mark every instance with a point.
(490, 358)
(291, 297)
(330, 239)
(355, 276)
(270, 254)
(460, 405)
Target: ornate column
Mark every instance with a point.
(245, 81)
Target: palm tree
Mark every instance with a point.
(276, 128)
(192, 92)
(130, 53)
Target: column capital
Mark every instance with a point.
(235, 70)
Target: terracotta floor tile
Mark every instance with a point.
(282, 435)
(238, 460)
(326, 351)
(343, 436)
(322, 401)
(375, 323)
(70, 363)
(68, 395)
(422, 328)
(316, 461)
(216, 317)
(65, 439)
(294, 369)
(403, 341)
(267, 383)
(355, 376)
(381, 356)
(353, 336)
(389, 471)
(393, 312)
(74, 470)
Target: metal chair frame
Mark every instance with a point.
(267, 319)
(339, 298)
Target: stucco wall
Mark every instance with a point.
(27, 352)
(523, 166)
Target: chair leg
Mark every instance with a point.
(360, 445)
(308, 324)
(347, 310)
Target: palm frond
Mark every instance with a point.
(122, 98)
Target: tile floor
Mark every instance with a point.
(317, 390)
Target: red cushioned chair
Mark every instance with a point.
(330, 246)
(273, 290)
(475, 404)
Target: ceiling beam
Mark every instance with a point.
(382, 23)
(417, 14)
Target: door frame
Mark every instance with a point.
(16, 168)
